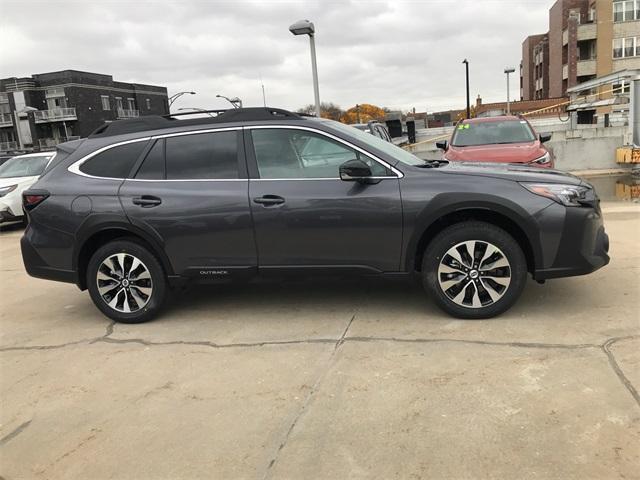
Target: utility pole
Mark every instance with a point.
(466, 64)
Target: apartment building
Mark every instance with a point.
(45, 109)
(586, 39)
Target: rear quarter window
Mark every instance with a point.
(115, 162)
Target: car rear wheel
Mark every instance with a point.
(126, 282)
(474, 270)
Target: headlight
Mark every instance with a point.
(543, 160)
(567, 195)
(5, 190)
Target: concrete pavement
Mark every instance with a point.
(324, 379)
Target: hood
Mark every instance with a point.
(5, 182)
(517, 173)
(507, 153)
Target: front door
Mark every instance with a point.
(191, 192)
(305, 216)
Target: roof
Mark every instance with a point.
(158, 122)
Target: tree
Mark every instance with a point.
(363, 113)
(327, 110)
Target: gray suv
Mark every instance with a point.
(148, 204)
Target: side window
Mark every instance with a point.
(202, 156)
(115, 162)
(282, 153)
(153, 166)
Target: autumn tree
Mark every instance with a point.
(363, 113)
(327, 110)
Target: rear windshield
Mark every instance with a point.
(26, 166)
(485, 133)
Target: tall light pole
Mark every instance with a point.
(174, 97)
(235, 101)
(466, 64)
(508, 70)
(305, 27)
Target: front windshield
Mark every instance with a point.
(24, 166)
(375, 141)
(486, 133)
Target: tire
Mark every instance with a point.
(135, 297)
(484, 288)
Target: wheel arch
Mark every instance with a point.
(495, 216)
(92, 238)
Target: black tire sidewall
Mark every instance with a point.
(474, 231)
(158, 279)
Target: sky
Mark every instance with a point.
(394, 54)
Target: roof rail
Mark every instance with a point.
(157, 122)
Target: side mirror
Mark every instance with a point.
(354, 171)
(545, 137)
(442, 145)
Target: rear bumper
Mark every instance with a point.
(36, 266)
(583, 246)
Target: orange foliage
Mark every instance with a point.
(368, 112)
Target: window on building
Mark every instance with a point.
(629, 49)
(105, 102)
(621, 88)
(202, 156)
(617, 48)
(119, 103)
(626, 10)
(131, 104)
(637, 46)
(115, 162)
(148, 102)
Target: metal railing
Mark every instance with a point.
(47, 143)
(56, 114)
(5, 119)
(123, 113)
(8, 146)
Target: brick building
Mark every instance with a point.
(40, 111)
(586, 38)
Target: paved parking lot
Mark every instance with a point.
(325, 379)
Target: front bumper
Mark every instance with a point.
(583, 246)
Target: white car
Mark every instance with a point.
(16, 175)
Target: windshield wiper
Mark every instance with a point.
(432, 163)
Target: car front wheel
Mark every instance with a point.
(126, 282)
(474, 270)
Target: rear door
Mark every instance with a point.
(191, 191)
(306, 217)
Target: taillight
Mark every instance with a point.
(31, 199)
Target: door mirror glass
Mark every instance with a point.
(442, 145)
(354, 170)
(545, 137)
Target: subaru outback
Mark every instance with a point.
(147, 205)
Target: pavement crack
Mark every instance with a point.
(474, 342)
(46, 347)
(213, 344)
(309, 398)
(606, 348)
(17, 431)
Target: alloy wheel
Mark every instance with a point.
(474, 274)
(124, 282)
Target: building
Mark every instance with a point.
(586, 39)
(43, 110)
(547, 107)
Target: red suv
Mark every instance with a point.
(505, 139)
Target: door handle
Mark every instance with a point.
(268, 200)
(147, 201)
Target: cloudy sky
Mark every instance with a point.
(397, 54)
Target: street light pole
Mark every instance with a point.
(174, 97)
(508, 71)
(235, 101)
(305, 27)
(466, 64)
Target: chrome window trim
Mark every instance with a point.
(398, 173)
(75, 167)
